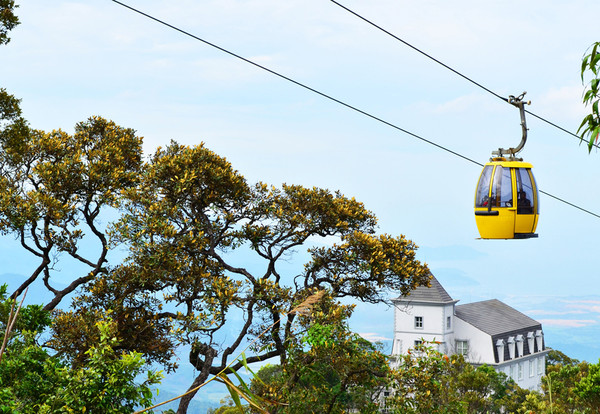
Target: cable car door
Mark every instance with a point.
(526, 201)
(495, 210)
(502, 199)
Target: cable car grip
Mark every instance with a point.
(511, 152)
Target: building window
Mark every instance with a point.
(462, 347)
(398, 346)
(418, 342)
(531, 367)
(418, 322)
(540, 365)
(520, 371)
(512, 371)
(449, 322)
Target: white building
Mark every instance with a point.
(488, 332)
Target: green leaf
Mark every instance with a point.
(593, 137)
(584, 65)
(245, 363)
(235, 397)
(242, 385)
(594, 63)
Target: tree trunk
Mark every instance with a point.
(209, 355)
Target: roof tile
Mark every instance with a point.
(494, 317)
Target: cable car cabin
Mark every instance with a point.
(506, 200)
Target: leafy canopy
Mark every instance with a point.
(590, 126)
(187, 221)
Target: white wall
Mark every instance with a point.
(434, 325)
(527, 381)
(481, 349)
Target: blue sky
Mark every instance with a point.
(72, 59)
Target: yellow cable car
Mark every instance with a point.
(506, 198)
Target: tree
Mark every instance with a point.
(108, 383)
(559, 385)
(227, 407)
(54, 187)
(426, 381)
(590, 126)
(186, 223)
(32, 380)
(8, 19)
(329, 369)
(556, 357)
(588, 389)
(569, 387)
(420, 382)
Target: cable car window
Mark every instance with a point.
(536, 201)
(524, 192)
(482, 198)
(502, 190)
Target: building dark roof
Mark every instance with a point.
(434, 294)
(494, 317)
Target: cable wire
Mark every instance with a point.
(329, 97)
(451, 69)
(300, 84)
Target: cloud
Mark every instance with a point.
(567, 323)
(562, 103)
(587, 307)
(373, 337)
(554, 312)
(462, 104)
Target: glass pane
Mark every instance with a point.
(536, 200)
(502, 189)
(525, 198)
(483, 187)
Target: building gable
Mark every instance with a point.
(435, 293)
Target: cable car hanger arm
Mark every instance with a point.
(519, 103)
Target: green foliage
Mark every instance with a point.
(556, 358)
(34, 381)
(329, 370)
(54, 186)
(8, 19)
(590, 126)
(106, 384)
(420, 383)
(588, 388)
(563, 375)
(179, 284)
(26, 368)
(427, 381)
(32, 318)
(227, 407)
(10, 109)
